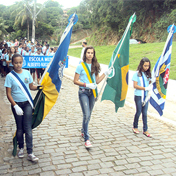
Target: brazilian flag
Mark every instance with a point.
(117, 82)
(51, 80)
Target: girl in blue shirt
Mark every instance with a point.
(86, 97)
(21, 108)
(9, 58)
(141, 80)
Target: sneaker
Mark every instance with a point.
(21, 153)
(32, 157)
(88, 144)
(82, 134)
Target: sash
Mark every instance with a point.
(22, 86)
(90, 78)
(143, 91)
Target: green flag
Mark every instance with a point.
(117, 82)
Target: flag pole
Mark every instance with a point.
(126, 30)
(168, 38)
(156, 74)
(62, 38)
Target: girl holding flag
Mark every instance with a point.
(87, 77)
(18, 84)
(141, 80)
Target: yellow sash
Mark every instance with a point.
(89, 78)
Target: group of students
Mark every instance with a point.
(90, 68)
(24, 48)
(86, 77)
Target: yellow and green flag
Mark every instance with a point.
(117, 82)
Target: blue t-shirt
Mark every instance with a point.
(29, 45)
(16, 92)
(20, 51)
(39, 54)
(32, 54)
(4, 56)
(51, 54)
(136, 78)
(26, 53)
(82, 74)
(7, 59)
(8, 43)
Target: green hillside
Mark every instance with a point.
(137, 52)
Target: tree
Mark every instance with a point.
(22, 14)
(44, 31)
(2, 28)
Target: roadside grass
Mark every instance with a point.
(136, 53)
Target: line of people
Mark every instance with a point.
(24, 48)
(86, 77)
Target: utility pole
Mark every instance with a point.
(33, 22)
(34, 16)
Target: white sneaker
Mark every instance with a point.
(88, 144)
(21, 153)
(32, 157)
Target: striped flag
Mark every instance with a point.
(160, 74)
(51, 80)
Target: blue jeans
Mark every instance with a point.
(87, 101)
(139, 109)
(24, 125)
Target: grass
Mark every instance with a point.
(137, 52)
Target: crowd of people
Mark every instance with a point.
(86, 77)
(24, 48)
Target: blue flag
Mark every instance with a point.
(160, 74)
(51, 80)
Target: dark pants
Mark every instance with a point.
(139, 109)
(32, 70)
(39, 72)
(23, 124)
(87, 101)
(10, 68)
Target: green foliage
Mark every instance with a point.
(44, 32)
(107, 18)
(153, 17)
(2, 28)
(83, 16)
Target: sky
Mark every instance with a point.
(64, 3)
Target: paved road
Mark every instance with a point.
(116, 150)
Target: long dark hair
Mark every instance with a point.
(95, 67)
(140, 67)
(10, 54)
